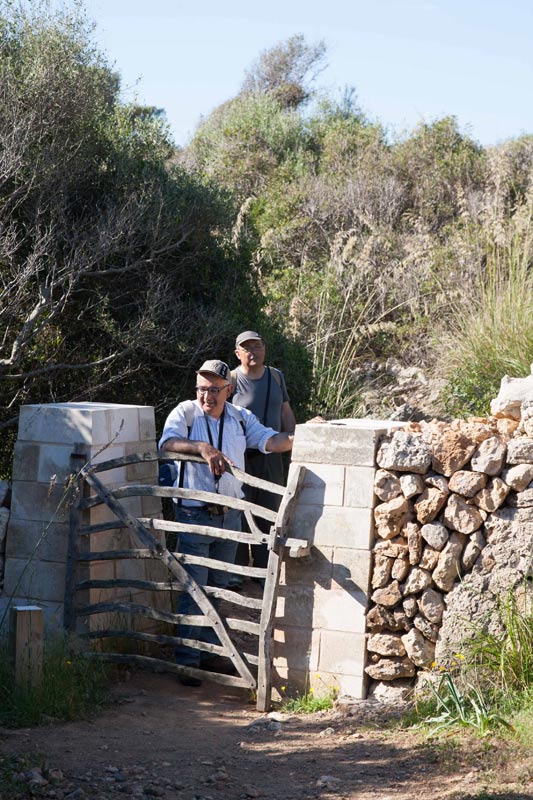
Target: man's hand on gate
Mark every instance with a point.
(216, 460)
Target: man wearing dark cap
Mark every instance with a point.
(262, 390)
(219, 433)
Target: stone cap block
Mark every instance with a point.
(86, 423)
(351, 442)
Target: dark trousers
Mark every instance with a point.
(270, 467)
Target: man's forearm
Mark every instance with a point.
(185, 446)
(280, 443)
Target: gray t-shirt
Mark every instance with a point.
(251, 393)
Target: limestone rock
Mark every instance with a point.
(512, 392)
(380, 618)
(474, 546)
(386, 485)
(506, 428)
(431, 605)
(394, 548)
(388, 596)
(410, 607)
(493, 496)
(429, 504)
(520, 451)
(417, 580)
(522, 499)
(467, 483)
(449, 564)
(381, 571)
(452, 452)
(429, 558)
(391, 693)
(489, 456)
(404, 452)
(518, 477)
(419, 649)
(411, 485)
(526, 413)
(435, 534)
(438, 481)
(461, 516)
(385, 644)
(414, 542)
(400, 568)
(389, 669)
(390, 517)
(426, 628)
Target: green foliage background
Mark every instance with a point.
(125, 261)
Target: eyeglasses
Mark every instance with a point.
(212, 391)
(251, 348)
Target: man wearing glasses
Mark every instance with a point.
(262, 390)
(219, 433)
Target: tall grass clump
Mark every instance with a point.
(491, 325)
(491, 685)
(72, 686)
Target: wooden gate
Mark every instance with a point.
(147, 539)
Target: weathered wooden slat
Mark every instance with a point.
(86, 530)
(223, 566)
(234, 597)
(177, 669)
(165, 456)
(134, 583)
(243, 625)
(144, 538)
(112, 555)
(207, 530)
(264, 681)
(141, 490)
(155, 638)
(159, 586)
(136, 609)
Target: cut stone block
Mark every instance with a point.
(296, 648)
(89, 423)
(35, 580)
(352, 569)
(315, 569)
(342, 653)
(330, 526)
(323, 484)
(39, 502)
(47, 541)
(359, 487)
(351, 442)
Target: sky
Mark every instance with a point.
(410, 61)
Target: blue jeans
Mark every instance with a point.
(207, 546)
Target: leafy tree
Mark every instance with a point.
(286, 71)
(113, 258)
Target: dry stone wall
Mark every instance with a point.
(453, 530)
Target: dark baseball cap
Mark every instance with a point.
(214, 367)
(246, 336)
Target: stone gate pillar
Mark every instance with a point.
(320, 618)
(38, 528)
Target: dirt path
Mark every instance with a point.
(160, 739)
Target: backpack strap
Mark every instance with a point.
(235, 412)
